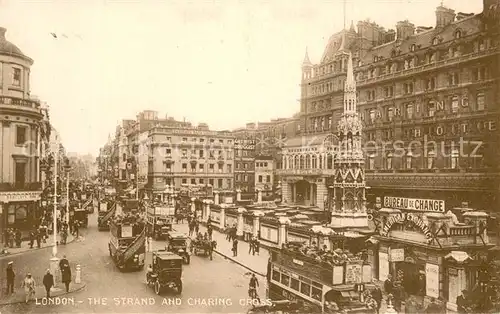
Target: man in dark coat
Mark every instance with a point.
(48, 282)
(377, 296)
(66, 276)
(235, 247)
(462, 303)
(10, 278)
(388, 285)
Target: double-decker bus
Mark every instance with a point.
(318, 286)
(127, 243)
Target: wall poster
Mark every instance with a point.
(383, 266)
(432, 280)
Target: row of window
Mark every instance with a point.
(202, 140)
(243, 153)
(321, 123)
(452, 160)
(455, 102)
(428, 84)
(201, 153)
(267, 179)
(301, 285)
(220, 182)
(242, 177)
(201, 167)
(261, 164)
(392, 67)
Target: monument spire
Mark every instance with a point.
(349, 199)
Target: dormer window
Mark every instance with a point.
(435, 41)
(375, 58)
(481, 44)
(458, 34)
(413, 47)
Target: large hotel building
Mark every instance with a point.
(429, 100)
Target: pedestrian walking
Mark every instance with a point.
(196, 227)
(388, 285)
(48, 282)
(66, 276)
(256, 246)
(10, 277)
(209, 231)
(252, 288)
(38, 238)
(235, 247)
(32, 239)
(18, 237)
(29, 287)
(251, 247)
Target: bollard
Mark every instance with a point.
(78, 278)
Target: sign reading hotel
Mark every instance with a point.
(423, 205)
(6, 197)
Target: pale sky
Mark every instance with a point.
(225, 63)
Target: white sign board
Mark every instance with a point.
(126, 231)
(383, 266)
(103, 207)
(228, 200)
(397, 255)
(423, 205)
(6, 197)
(432, 280)
(165, 211)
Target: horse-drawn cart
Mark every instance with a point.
(203, 247)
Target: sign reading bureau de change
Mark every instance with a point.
(20, 196)
(425, 205)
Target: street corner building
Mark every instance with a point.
(435, 90)
(24, 134)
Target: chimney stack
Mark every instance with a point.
(444, 16)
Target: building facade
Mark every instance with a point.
(181, 156)
(428, 98)
(22, 129)
(244, 158)
(264, 174)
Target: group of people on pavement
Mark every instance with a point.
(12, 235)
(29, 283)
(194, 225)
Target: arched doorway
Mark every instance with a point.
(305, 193)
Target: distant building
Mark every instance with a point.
(264, 174)
(244, 158)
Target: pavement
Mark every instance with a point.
(57, 293)
(209, 286)
(25, 247)
(255, 263)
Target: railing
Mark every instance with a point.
(429, 66)
(11, 187)
(462, 231)
(304, 172)
(13, 101)
(108, 215)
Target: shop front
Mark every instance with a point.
(19, 210)
(414, 247)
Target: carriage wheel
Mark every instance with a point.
(158, 288)
(179, 287)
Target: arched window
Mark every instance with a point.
(409, 160)
(388, 161)
(435, 41)
(412, 48)
(458, 34)
(430, 158)
(371, 162)
(454, 158)
(454, 104)
(409, 110)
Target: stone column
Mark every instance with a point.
(238, 195)
(283, 221)
(222, 217)
(216, 198)
(193, 207)
(321, 192)
(256, 222)
(240, 222)
(207, 209)
(259, 196)
(203, 210)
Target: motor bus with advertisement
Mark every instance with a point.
(127, 242)
(159, 220)
(107, 209)
(318, 286)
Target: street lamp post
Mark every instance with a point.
(66, 170)
(54, 261)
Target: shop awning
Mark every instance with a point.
(458, 256)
